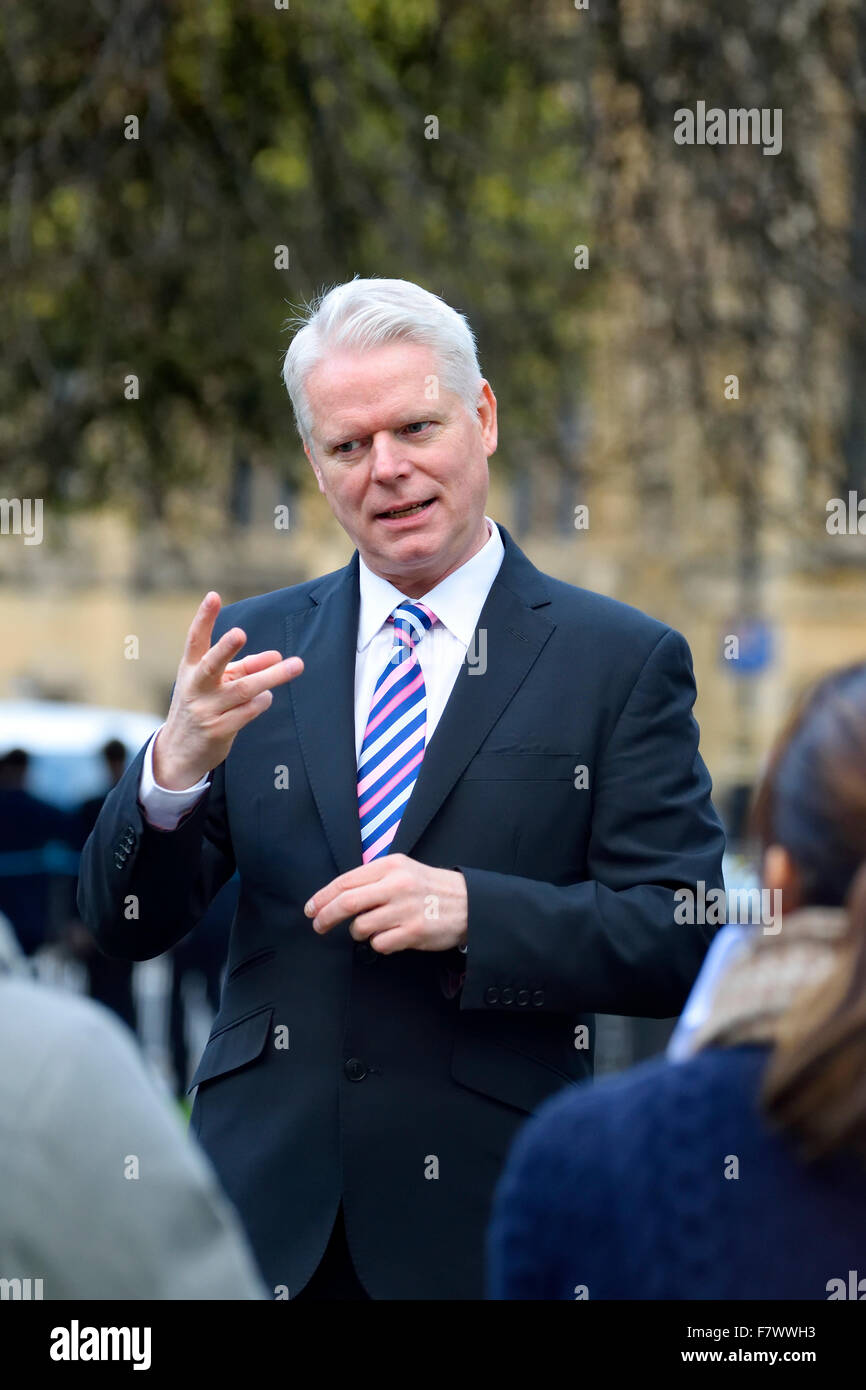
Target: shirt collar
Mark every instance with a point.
(456, 600)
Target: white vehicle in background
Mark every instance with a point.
(64, 744)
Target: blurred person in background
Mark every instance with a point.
(102, 1193)
(199, 957)
(740, 1171)
(27, 826)
(109, 981)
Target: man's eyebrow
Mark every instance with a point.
(349, 434)
(344, 437)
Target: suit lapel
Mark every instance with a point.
(323, 700)
(325, 635)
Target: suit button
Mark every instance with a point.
(538, 997)
(522, 997)
(365, 954)
(355, 1069)
(507, 996)
(491, 995)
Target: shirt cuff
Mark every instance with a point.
(462, 949)
(162, 807)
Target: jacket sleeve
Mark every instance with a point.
(611, 943)
(140, 889)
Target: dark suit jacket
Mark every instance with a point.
(394, 1090)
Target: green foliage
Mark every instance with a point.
(260, 127)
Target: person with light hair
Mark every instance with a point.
(460, 795)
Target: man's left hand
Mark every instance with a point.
(396, 904)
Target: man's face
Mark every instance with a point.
(379, 443)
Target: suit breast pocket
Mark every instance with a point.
(508, 764)
(526, 809)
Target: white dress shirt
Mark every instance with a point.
(457, 602)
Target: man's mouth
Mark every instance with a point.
(409, 510)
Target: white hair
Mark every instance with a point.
(369, 313)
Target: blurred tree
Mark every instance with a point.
(730, 260)
(155, 257)
(737, 284)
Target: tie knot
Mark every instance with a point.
(411, 620)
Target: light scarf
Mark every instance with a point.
(767, 975)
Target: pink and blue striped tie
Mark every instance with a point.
(394, 739)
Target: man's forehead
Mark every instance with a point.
(354, 391)
(392, 367)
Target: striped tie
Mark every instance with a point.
(393, 744)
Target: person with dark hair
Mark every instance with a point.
(739, 1171)
(27, 825)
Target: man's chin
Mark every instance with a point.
(421, 543)
(406, 555)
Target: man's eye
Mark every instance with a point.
(347, 447)
(418, 425)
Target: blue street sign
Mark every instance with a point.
(756, 646)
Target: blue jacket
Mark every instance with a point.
(626, 1189)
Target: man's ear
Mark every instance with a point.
(486, 416)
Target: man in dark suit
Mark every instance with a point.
(460, 811)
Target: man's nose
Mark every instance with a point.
(387, 456)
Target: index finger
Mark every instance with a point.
(353, 878)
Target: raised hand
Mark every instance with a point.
(214, 698)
